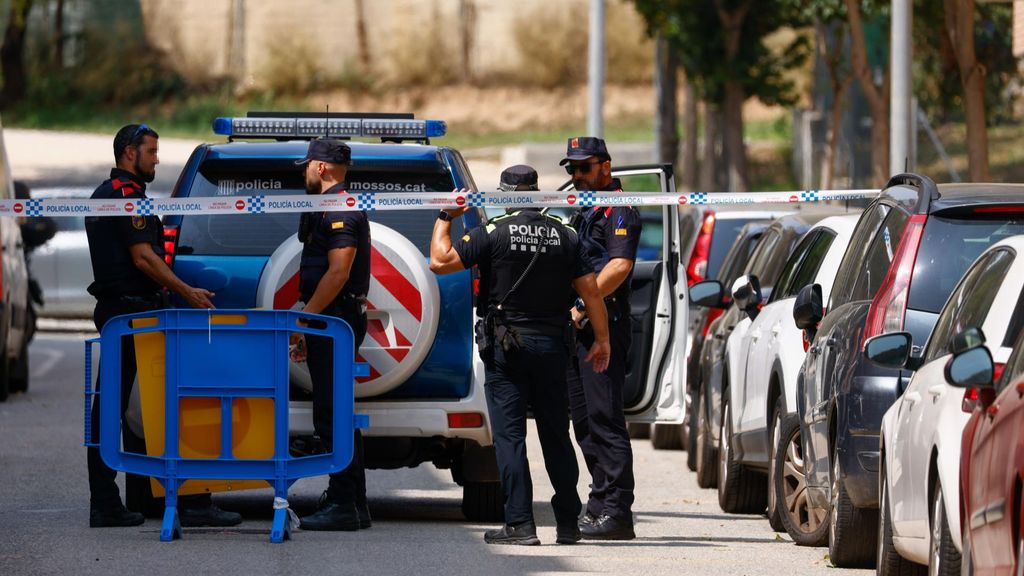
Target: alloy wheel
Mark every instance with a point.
(794, 488)
(724, 448)
(934, 549)
(702, 430)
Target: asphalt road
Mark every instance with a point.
(418, 528)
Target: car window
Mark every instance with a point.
(261, 234)
(766, 248)
(970, 302)
(792, 266)
(879, 256)
(808, 266)
(725, 233)
(1016, 322)
(737, 258)
(1014, 365)
(948, 247)
(851, 264)
(70, 224)
(652, 235)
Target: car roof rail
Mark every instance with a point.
(927, 191)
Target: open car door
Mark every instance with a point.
(656, 369)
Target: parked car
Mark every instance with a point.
(764, 363)
(766, 264)
(908, 252)
(62, 265)
(991, 461)
(15, 314)
(732, 266)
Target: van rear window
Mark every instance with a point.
(261, 234)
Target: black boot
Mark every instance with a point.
(524, 534)
(569, 534)
(587, 519)
(333, 516)
(608, 528)
(113, 516)
(364, 515)
(209, 515)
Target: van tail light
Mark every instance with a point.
(889, 306)
(697, 268)
(970, 401)
(170, 243)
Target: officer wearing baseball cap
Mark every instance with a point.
(334, 278)
(529, 265)
(609, 237)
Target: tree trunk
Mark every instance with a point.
(735, 151)
(708, 164)
(58, 35)
(960, 27)
(12, 54)
(877, 96)
(467, 20)
(362, 42)
(689, 157)
(838, 82)
(667, 113)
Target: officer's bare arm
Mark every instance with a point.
(612, 275)
(600, 352)
(147, 261)
(443, 257)
(339, 265)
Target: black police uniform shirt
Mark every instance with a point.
(330, 230)
(110, 238)
(611, 232)
(503, 249)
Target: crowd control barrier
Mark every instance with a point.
(225, 358)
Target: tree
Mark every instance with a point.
(876, 93)
(12, 53)
(960, 27)
(723, 53)
(830, 32)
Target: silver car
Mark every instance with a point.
(62, 266)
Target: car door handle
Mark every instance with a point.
(664, 316)
(830, 342)
(992, 410)
(937, 390)
(912, 397)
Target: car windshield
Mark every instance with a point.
(948, 248)
(725, 233)
(261, 234)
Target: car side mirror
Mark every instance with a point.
(707, 294)
(965, 340)
(972, 368)
(808, 309)
(889, 350)
(746, 293)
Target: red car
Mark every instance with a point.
(992, 457)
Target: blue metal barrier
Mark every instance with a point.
(224, 354)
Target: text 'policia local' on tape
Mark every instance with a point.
(371, 201)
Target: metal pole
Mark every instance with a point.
(595, 77)
(900, 104)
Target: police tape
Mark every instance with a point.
(372, 201)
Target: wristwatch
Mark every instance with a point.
(580, 305)
(444, 215)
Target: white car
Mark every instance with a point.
(62, 265)
(766, 363)
(919, 516)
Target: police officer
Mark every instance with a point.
(334, 278)
(130, 275)
(609, 237)
(529, 263)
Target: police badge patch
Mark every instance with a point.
(139, 222)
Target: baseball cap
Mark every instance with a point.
(327, 150)
(519, 175)
(583, 147)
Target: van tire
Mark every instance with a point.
(667, 436)
(483, 502)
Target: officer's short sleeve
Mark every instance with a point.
(581, 265)
(474, 247)
(342, 229)
(624, 228)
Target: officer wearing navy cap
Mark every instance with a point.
(130, 275)
(334, 278)
(609, 237)
(529, 264)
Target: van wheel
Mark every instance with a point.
(483, 502)
(19, 370)
(890, 563)
(853, 532)
(740, 490)
(667, 436)
(707, 471)
(638, 431)
(943, 559)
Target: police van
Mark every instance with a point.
(424, 394)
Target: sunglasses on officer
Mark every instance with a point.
(140, 131)
(583, 168)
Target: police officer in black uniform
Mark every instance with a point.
(609, 237)
(529, 264)
(129, 276)
(334, 278)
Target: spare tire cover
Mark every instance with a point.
(402, 310)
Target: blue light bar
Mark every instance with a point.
(300, 128)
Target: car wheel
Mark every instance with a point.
(639, 431)
(19, 370)
(707, 473)
(852, 531)
(667, 436)
(691, 435)
(806, 524)
(774, 512)
(889, 561)
(483, 502)
(740, 491)
(943, 558)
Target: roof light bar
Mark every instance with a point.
(300, 128)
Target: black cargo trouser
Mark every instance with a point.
(349, 485)
(103, 490)
(532, 377)
(600, 424)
